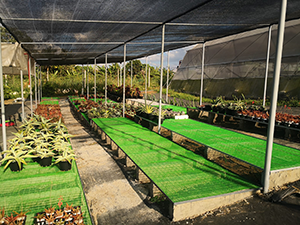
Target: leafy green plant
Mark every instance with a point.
(17, 153)
(65, 155)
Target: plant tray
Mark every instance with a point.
(181, 117)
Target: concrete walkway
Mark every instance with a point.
(110, 197)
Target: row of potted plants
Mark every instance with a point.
(152, 113)
(49, 112)
(102, 110)
(281, 118)
(130, 92)
(14, 219)
(67, 215)
(41, 140)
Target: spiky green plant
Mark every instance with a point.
(17, 153)
(65, 155)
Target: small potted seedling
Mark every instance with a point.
(78, 219)
(59, 214)
(68, 217)
(68, 208)
(21, 217)
(50, 211)
(76, 210)
(40, 218)
(2, 216)
(11, 219)
(50, 219)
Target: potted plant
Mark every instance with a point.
(50, 211)
(40, 218)
(15, 156)
(2, 217)
(68, 208)
(218, 105)
(64, 159)
(11, 219)
(45, 154)
(21, 217)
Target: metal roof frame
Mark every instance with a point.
(105, 26)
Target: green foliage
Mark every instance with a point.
(6, 36)
(7, 92)
(49, 89)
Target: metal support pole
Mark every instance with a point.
(267, 66)
(85, 78)
(22, 96)
(168, 69)
(149, 76)
(38, 84)
(30, 86)
(2, 102)
(120, 74)
(161, 75)
(202, 73)
(83, 81)
(131, 74)
(146, 78)
(118, 77)
(41, 95)
(276, 77)
(106, 79)
(95, 91)
(35, 85)
(88, 83)
(124, 81)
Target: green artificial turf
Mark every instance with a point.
(241, 146)
(35, 188)
(179, 173)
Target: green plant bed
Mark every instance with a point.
(241, 146)
(36, 188)
(181, 174)
(49, 102)
(50, 98)
(173, 107)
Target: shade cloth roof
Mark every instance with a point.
(72, 32)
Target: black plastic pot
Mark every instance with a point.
(15, 167)
(230, 112)
(145, 115)
(207, 108)
(65, 165)
(153, 118)
(46, 161)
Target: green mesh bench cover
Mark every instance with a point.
(49, 102)
(103, 100)
(173, 107)
(241, 146)
(179, 173)
(56, 98)
(35, 188)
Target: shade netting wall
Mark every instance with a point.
(242, 59)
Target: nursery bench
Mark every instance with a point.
(183, 176)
